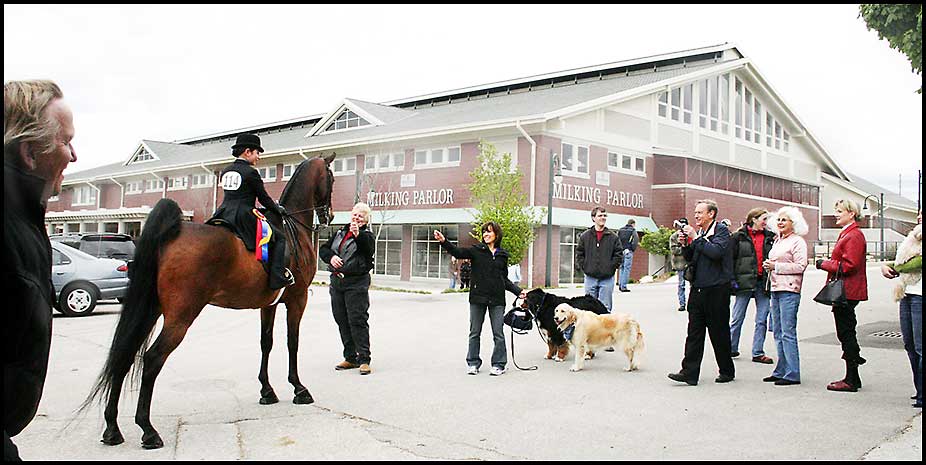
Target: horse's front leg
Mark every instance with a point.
(267, 314)
(295, 307)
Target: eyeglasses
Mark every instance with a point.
(783, 220)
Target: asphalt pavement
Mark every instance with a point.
(419, 403)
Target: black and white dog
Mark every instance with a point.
(542, 305)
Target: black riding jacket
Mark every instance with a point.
(242, 186)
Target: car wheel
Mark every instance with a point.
(77, 300)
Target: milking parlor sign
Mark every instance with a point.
(594, 196)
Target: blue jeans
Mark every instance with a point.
(784, 327)
(911, 326)
(625, 268)
(601, 289)
(739, 315)
(477, 315)
(453, 282)
(681, 287)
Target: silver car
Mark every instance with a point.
(81, 279)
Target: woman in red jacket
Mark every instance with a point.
(850, 253)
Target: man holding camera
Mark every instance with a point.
(711, 260)
(678, 260)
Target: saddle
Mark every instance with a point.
(265, 237)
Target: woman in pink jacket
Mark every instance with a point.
(850, 253)
(785, 264)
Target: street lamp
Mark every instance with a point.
(881, 207)
(556, 175)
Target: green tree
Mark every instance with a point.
(496, 196)
(901, 25)
(657, 242)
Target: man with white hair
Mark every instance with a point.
(37, 131)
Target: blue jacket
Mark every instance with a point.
(711, 258)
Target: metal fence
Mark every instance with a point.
(824, 249)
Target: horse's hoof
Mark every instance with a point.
(112, 438)
(303, 398)
(269, 399)
(152, 441)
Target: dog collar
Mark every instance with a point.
(567, 333)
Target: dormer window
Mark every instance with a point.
(347, 119)
(142, 155)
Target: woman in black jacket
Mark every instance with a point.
(487, 293)
(349, 255)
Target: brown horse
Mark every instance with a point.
(181, 266)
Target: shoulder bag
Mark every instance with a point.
(834, 291)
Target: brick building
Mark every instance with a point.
(645, 138)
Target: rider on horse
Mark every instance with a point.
(242, 185)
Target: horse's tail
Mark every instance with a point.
(141, 307)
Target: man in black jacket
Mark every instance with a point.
(598, 254)
(710, 255)
(242, 185)
(629, 239)
(37, 131)
(349, 255)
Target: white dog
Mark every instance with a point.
(911, 246)
(591, 331)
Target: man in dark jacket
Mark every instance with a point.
(629, 239)
(598, 254)
(349, 255)
(37, 131)
(751, 245)
(710, 257)
(242, 186)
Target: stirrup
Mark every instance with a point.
(290, 278)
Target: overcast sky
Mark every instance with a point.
(174, 72)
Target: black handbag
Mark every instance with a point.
(519, 320)
(834, 291)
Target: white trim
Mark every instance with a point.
(209, 177)
(256, 128)
(575, 161)
(184, 181)
(147, 148)
(429, 164)
(346, 104)
(391, 168)
(633, 165)
(344, 171)
(735, 194)
(851, 187)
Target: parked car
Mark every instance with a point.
(80, 279)
(105, 245)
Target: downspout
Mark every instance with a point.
(302, 154)
(215, 184)
(99, 193)
(530, 249)
(121, 188)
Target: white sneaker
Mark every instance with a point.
(472, 370)
(496, 371)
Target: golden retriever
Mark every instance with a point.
(593, 331)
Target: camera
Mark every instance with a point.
(680, 223)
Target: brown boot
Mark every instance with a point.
(365, 369)
(345, 365)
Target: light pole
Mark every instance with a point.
(556, 175)
(881, 208)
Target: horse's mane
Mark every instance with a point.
(296, 175)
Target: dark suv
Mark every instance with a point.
(105, 245)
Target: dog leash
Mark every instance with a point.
(513, 358)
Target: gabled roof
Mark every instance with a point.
(864, 187)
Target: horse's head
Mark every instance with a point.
(310, 189)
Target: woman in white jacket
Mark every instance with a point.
(786, 263)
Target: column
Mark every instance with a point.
(121, 229)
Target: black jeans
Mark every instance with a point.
(708, 311)
(845, 331)
(350, 304)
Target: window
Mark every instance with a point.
(768, 129)
(786, 141)
(53, 198)
(288, 171)
(388, 255)
(437, 157)
(677, 104)
(202, 180)
(268, 173)
(738, 109)
(574, 160)
(177, 183)
(133, 187)
(347, 119)
(84, 195)
(344, 166)
(384, 162)
(142, 155)
(757, 117)
(777, 135)
(154, 185)
(623, 162)
(569, 271)
(712, 111)
(747, 134)
(428, 259)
